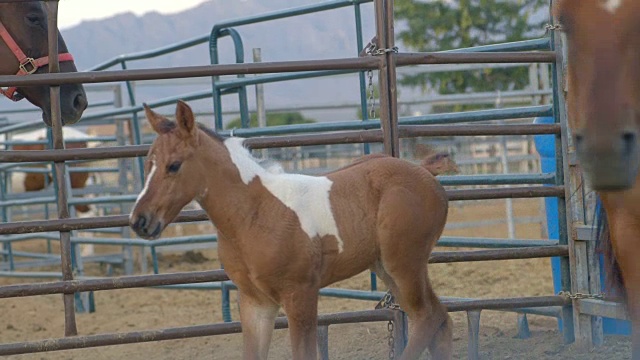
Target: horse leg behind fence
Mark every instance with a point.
(282, 236)
(620, 243)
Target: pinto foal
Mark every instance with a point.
(282, 236)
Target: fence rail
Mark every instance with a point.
(387, 130)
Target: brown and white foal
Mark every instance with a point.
(283, 236)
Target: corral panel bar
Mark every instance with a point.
(345, 137)
(70, 328)
(429, 119)
(199, 215)
(404, 59)
(281, 322)
(356, 64)
(504, 193)
(180, 333)
(441, 257)
(124, 282)
(610, 309)
(505, 303)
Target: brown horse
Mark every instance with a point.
(603, 102)
(283, 236)
(30, 181)
(24, 51)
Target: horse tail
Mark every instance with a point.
(614, 283)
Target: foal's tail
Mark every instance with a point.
(440, 163)
(614, 283)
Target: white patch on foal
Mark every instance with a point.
(611, 5)
(307, 196)
(146, 184)
(17, 182)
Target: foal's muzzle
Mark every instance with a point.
(146, 226)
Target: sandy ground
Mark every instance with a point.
(42, 317)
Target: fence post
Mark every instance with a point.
(261, 111)
(577, 278)
(323, 342)
(61, 176)
(387, 76)
(400, 332)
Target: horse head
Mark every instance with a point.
(603, 98)
(24, 50)
(171, 172)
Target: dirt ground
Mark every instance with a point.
(42, 317)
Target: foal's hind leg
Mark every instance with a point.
(429, 323)
(405, 265)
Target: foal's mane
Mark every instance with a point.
(212, 133)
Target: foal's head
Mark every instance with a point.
(173, 172)
(603, 99)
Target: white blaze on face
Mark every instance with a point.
(146, 183)
(611, 5)
(307, 196)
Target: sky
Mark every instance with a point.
(72, 12)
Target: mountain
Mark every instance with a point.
(321, 35)
(329, 34)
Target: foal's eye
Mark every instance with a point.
(174, 167)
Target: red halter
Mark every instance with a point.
(27, 65)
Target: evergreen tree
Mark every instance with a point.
(433, 25)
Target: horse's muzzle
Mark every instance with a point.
(146, 226)
(75, 103)
(610, 165)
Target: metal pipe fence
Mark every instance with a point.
(388, 130)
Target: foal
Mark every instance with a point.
(282, 236)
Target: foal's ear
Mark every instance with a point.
(157, 121)
(185, 119)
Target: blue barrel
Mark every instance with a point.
(546, 146)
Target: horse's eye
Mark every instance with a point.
(174, 167)
(34, 19)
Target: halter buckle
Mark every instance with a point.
(32, 63)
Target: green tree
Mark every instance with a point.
(273, 119)
(433, 25)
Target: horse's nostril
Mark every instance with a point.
(629, 137)
(80, 102)
(579, 138)
(140, 223)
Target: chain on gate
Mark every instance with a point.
(578, 295)
(372, 97)
(372, 49)
(388, 302)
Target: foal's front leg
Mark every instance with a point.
(301, 306)
(257, 317)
